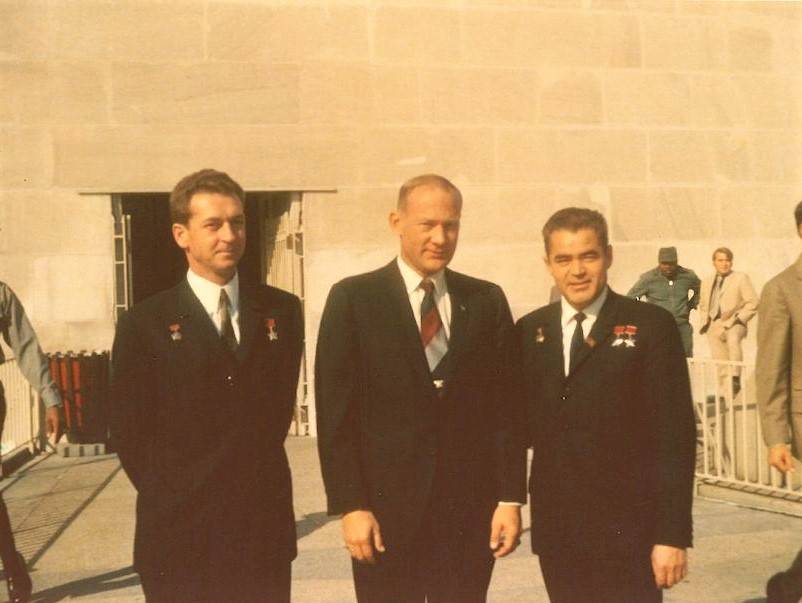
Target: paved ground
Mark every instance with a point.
(74, 523)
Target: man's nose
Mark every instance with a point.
(577, 267)
(227, 232)
(438, 235)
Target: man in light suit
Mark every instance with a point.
(778, 372)
(612, 428)
(728, 301)
(204, 382)
(419, 433)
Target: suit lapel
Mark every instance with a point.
(248, 325)
(196, 332)
(199, 325)
(460, 313)
(601, 331)
(550, 336)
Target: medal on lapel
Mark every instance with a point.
(539, 336)
(631, 331)
(618, 331)
(270, 325)
(175, 332)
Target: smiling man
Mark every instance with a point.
(204, 381)
(420, 437)
(611, 422)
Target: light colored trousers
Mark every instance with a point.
(725, 344)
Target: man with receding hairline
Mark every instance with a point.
(611, 425)
(419, 431)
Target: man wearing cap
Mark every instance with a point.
(672, 287)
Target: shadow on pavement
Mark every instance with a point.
(121, 578)
(38, 521)
(312, 522)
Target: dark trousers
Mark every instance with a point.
(271, 585)
(580, 578)
(8, 549)
(444, 563)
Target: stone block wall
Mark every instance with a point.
(680, 119)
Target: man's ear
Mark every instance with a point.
(180, 235)
(394, 220)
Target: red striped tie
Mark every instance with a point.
(432, 334)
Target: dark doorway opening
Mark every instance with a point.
(156, 262)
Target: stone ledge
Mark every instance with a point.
(751, 497)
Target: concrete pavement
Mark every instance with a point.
(74, 521)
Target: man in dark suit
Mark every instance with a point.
(611, 423)
(204, 382)
(420, 439)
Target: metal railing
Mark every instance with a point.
(731, 450)
(23, 427)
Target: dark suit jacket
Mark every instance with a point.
(614, 442)
(382, 431)
(200, 433)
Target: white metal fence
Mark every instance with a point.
(23, 425)
(731, 450)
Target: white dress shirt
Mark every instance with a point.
(442, 299)
(209, 295)
(568, 323)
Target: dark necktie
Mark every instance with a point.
(432, 333)
(576, 341)
(715, 298)
(226, 327)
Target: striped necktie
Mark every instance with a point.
(432, 333)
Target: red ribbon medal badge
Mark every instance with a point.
(624, 335)
(175, 332)
(631, 331)
(270, 325)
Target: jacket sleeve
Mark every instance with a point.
(339, 401)
(292, 368)
(21, 338)
(666, 371)
(695, 283)
(749, 301)
(511, 413)
(640, 288)
(704, 300)
(130, 417)
(773, 365)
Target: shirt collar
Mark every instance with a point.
(412, 279)
(209, 293)
(592, 310)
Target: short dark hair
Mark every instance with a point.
(433, 180)
(725, 250)
(574, 219)
(203, 181)
(798, 214)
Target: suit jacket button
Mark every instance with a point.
(229, 380)
(563, 397)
